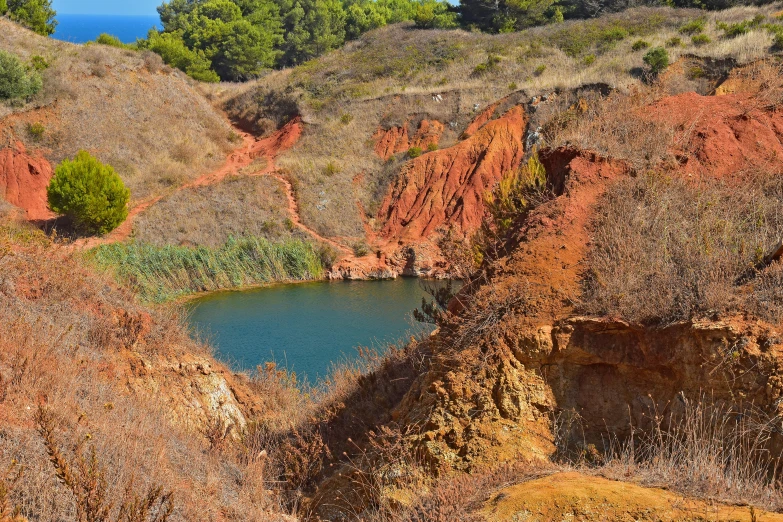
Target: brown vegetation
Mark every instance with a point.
(124, 392)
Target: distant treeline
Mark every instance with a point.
(235, 40)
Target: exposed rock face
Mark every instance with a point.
(23, 181)
(447, 187)
(396, 139)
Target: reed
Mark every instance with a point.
(159, 274)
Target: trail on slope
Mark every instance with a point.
(249, 151)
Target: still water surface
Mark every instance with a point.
(306, 327)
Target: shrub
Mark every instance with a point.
(490, 65)
(90, 193)
(515, 194)
(512, 86)
(110, 40)
(346, 118)
(694, 26)
(16, 82)
(36, 130)
(414, 152)
(696, 72)
(700, 39)
(657, 59)
(361, 249)
(539, 70)
(332, 168)
(638, 45)
(674, 41)
(432, 147)
(39, 63)
(740, 28)
(589, 59)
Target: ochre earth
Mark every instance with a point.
(23, 180)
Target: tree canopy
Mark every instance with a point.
(37, 15)
(234, 40)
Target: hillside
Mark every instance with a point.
(126, 107)
(613, 353)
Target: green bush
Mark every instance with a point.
(111, 40)
(638, 45)
(490, 65)
(361, 249)
(539, 70)
(432, 147)
(414, 152)
(36, 130)
(657, 59)
(694, 26)
(700, 39)
(589, 59)
(674, 41)
(89, 192)
(434, 15)
(39, 63)
(740, 28)
(16, 82)
(37, 15)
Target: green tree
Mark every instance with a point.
(175, 53)
(37, 15)
(312, 28)
(16, 81)
(657, 59)
(502, 16)
(364, 16)
(432, 14)
(89, 192)
(3, 7)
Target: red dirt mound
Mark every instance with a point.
(447, 187)
(721, 135)
(23, 181)
(395, 140)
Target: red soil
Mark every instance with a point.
(447, 187)
(721, 135)
(23, 181)
(479, 121)
(396, 140)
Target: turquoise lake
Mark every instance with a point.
(307, 327)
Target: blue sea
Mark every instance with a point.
(77, 28)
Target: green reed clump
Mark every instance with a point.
(162, 273)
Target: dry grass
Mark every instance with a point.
(208, 216)
(144, 119)
(698, 448)
(65, 346)
(687, 246)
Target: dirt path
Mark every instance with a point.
(244, 156)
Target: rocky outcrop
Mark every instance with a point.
(394, 140)
(446, 188)
(23, 181)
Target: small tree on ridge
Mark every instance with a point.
(89, 192)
